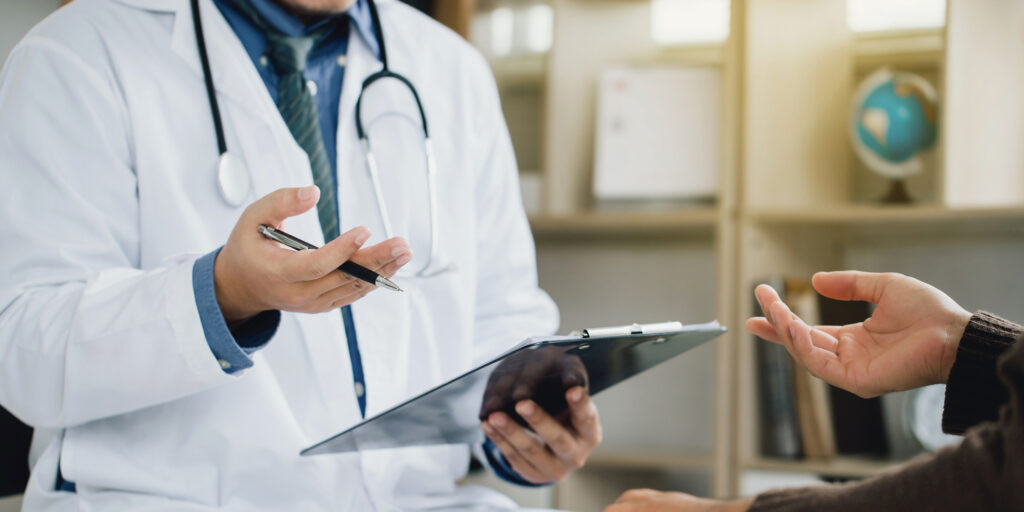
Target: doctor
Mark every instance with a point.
(169, 357)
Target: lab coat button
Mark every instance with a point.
(224, 364)
(311, 85)
(360, 390)
(342, 60)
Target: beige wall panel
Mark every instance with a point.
(984, 110)
(582, 48)
(799, 73)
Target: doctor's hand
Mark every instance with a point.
(540, 447)
(910, 340)
(647, 500)
(254, 274)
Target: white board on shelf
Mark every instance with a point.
(658, 133)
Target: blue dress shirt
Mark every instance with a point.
(325, 72)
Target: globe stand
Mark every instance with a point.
(898, 193)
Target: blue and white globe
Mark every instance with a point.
(894, 121)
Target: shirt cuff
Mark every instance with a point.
(503, 469)
(231, 347)
(973, 392)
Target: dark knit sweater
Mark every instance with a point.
(985, 398)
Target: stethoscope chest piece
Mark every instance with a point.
(233, 179)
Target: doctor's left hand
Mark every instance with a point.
(549, 450)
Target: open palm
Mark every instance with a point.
(909, 341)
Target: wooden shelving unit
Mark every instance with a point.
(871, 214)
(788, 204)
(691, 222)
(846, 467)
(877, 220)
(626, 460)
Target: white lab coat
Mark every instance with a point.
(107, 166)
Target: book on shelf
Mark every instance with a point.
(813, 404)
(778, 426)
(801, 415)
(859, 422)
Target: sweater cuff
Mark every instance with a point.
(974, 393)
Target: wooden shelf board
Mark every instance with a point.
(520, 71)
(842, 466)
(641, 460)
(883, 214)
(698, 221)
(904, 49)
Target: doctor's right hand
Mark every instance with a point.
(253, 274)
(910, 340)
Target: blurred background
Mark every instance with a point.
(710, 145)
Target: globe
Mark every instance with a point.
(894, 122)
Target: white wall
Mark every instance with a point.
(17, 17)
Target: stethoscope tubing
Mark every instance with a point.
(211, 94)
(229, 178)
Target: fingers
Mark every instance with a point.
(562, 442)
(389, 269)
(518, 463)
(273, 208)
(379, 256)
(312, 265)
(385, 258)
(343, 289)
(632, 501)
(574, 373)
(524, 451)
(766, 297)
(585, 418)
(760, 327)
(812, 348)
(825, 340)
(636, 495)
(821, 362)
(551, 450)
(498, 393)
(851, 285)
(786, 323)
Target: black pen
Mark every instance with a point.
(353, 269)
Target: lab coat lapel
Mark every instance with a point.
(254, 127)
(250, 116)
(233, 73)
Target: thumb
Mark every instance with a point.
(851, 285)
(275, 207)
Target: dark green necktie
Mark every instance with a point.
(294, 101)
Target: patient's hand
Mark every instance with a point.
(910, 340)
(646, 500)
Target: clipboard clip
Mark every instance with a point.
(626, 330)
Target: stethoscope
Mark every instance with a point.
(235, 181)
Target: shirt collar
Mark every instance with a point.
(289, 24)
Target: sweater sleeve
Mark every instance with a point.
(983, 472)
(974, 393)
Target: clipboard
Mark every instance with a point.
(539, 368)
